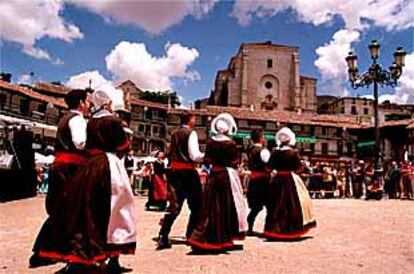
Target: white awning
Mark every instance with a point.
(41, 159)
(4, 120)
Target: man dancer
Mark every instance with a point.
(183, 180)
(70, 143)
(258, 157)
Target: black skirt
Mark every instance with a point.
(79, 234)
(60, 175)
(289, 209)
(218, 225)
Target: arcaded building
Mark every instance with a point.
(265, 76)
(262, 88)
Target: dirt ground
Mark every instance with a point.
(353, 236)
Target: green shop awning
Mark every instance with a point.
(299, 139)
(303, 139)
(271, 137)
(366, 144)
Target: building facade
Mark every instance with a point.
(265, 76)
(262, 88)
(320, 136)
(363, 108)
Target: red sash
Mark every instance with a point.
(283, 172)
(218, 168)
(182, 165)
(68, 158)
(259, 174)
(94, 152)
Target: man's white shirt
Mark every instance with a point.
(77, 125)
(194, 148)
(264, 154)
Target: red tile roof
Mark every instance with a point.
(409, 123)
(51, 88)
(145, 103)
(279, 116)
(32, 94)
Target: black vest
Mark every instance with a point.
(64, 141)
(179, 145)
(255, 161)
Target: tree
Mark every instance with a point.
(161, 97)
(5, 76)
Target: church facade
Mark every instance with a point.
(265, 76)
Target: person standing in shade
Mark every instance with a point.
(224, 210)
(358, 180)
(183, 180)
(260, 175)
(70, 145)
(289, 206)
(130, 164)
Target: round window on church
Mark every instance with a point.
(268, 85)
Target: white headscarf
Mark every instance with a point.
(224, 124)
(100, 99)
(285, 135)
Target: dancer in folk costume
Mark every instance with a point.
(223, 216)
(98, 218)
(260, 175)
(70, 145)
(289, 206)
(183, 180)
(157, 195)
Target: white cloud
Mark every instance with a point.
(152, 16)
(357, 14)
(25, 22)
(132, 61)
(98, 82)
(58, 62)
(331, 61)
(244, 11)
(404, 93)
(25, 79)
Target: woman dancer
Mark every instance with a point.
(289, 206)
(223, 216)
(157, 195)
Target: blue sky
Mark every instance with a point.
(205, 42)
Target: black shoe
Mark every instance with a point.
(113, 267)
(163, 242)
(250, 233)
(37, 261)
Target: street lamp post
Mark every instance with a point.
(376, 75)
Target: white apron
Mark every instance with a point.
(304, 199)
(121, 228)
(239, 201)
